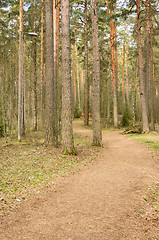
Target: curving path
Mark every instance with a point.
(101, 202)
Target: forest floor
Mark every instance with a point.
(108, 193)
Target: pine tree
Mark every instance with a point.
(67, 130)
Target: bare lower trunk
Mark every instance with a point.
(147, 50)
(123, 76)
(42, 61)
(67, 130)
(141, 75)
(151, 76)
(34, 85)
(20, 71)
(115, 104)
(86, 119)
(97, 133)
(49, 73)
(55, 71)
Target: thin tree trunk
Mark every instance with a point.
(97, 133)
(123, 75)
(34, 68)
(151, 74)
(78, 83)
(20, 71)
(134, 96)
(127, 84)
(55, 70)
(67, 130)
(23, 96)
(49, 72)
(141, 75)
(116, 54)
(102, 81)
(42, 60)
(115, 104)
(74, 73)
(57, 60)
(86, 119)
(147, 51)
(108, 93)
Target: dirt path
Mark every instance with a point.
(101, 202)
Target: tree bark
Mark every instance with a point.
(151, 75)
(67, 130)
(147, 52)
(86, 119)
(116, 54)
(115, 104)
(74, 74)
(123, 75)
(57, 60)
(20, 72)
(55, 70)
(97, 133)
(34, 67)
(141, 75)
(42, 59)
(49, 73)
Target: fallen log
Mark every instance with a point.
(136, 130)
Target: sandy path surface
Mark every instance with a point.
(101, 202)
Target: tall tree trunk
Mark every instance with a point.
(108, 92)
(97, 133)
(50, 136)
(86, 119)
(102, 83)
(42, 60)
(147, 52)
(123, 75)
(22, 87)
(141, 75)
(55, 69)
(151, 75)
(20, 71)
(116, 54)
(78, 83)
(34, 67)
(67, 130)
(57, 60)
(127, 85)
(134, 96)
(74, 74)
(115, 104)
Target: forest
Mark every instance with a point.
(96, 58)
(79, 119)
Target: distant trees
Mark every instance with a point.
(61, 76)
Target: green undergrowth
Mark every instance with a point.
(150, 139)
(81, 140)
(29, 166)
(150, 209)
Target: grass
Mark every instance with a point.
(152, 200)
(29, 166)
(149, 139)
(152, 197)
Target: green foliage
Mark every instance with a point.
(77, 112)
(1, 130)
(1, 124)
(125, 118)
(149, 139)
(66, 151)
